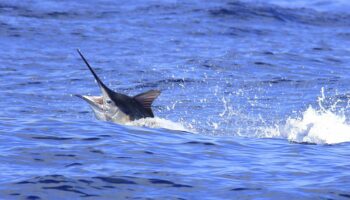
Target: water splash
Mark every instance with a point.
(160, 123)
(318, 126)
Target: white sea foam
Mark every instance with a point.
(160, 123)
(315, 126)
(320, 126)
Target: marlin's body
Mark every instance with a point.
(117, 107)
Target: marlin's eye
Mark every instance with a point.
(109, 101)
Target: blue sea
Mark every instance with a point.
(255, 100)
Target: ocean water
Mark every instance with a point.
(255, 100)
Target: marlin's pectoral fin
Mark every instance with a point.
(146, 99)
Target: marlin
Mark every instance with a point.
(117, 107)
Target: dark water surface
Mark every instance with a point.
(254, 103)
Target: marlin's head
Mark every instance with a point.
(117, 107)
(104, 106)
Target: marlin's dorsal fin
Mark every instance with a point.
(146, 99)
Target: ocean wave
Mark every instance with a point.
(265, 11)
